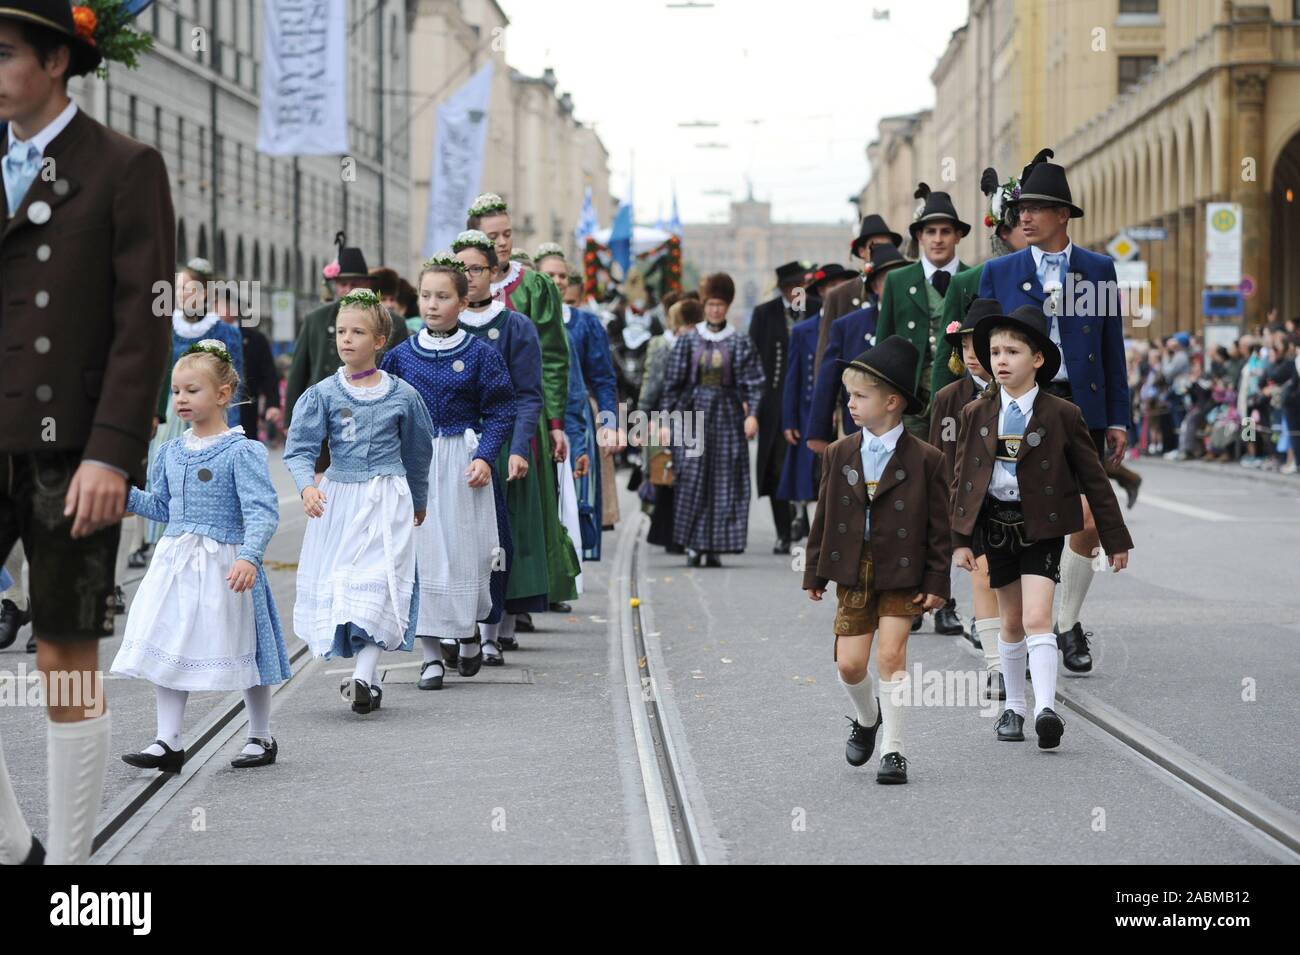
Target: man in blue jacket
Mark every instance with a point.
(1078, 291)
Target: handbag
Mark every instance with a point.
(661, 469)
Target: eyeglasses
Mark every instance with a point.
(1034, 208)
(476, 270)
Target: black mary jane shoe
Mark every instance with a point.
(712, 560)
(360, 694)
(1075, 650)
(561, 607)
(450, 652)
(1011, 727)
(862, 740)
(270, 748)
(1049, 728)
(469, 666)
(495, 658)
(11, 621)
(995, 688)
(693, 558)
(524, 623)
(893, 769)
(170, 761)
(507, 643)
(433, 682)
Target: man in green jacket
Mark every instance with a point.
(912, 302)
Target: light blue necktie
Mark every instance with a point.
(21, 164)
(873, 465)
(1013, 425)
(1051, 267)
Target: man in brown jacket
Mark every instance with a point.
(86, 255)
(881, 533)
(1023, 457)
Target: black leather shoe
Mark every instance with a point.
(893, 769)
(1011, 727)
(450, 652)
(170, 761)
(493, 658)
(674, 549)
(36, 854)
(524, 623)
(507, 643)
(1075, 650)
(782, 546)
(712, 560)
(376, 697)
(1131, 489)
(360, 694)
(561, 607)
(994, 689)
(917, 621)
(269, 750)
(693, 558)
(119, 600)
(11, 620)
(469, 666)
(432, 681)
(947, 621)
(862, 740)
(1049, 728)
(799, 528)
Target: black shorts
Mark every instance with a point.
(1010, 555)
(72, 581)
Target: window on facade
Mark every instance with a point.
(1139, 6)
(1132, 69)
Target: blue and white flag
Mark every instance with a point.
(304, 109)
(459, 137)
(587, 221)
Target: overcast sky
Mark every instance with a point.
(817, 75)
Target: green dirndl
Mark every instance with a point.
(544, 561)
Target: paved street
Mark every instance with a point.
(538, 761)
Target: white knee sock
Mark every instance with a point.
(171, 717)
(431, 649)
(1013, 673)
(987, 631)
(469, 650)
(15, 837)
(507, 625)
(891, 714)
(367, 663)
(257, 701)
(1042, 664)
(489, 631)
(1076, 578)
(76, 758)
(863, 696)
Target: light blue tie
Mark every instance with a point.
(21, 164)
(877, 457)
(1013, 425)
(1051, 267)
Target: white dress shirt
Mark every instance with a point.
(930, 268)
(1004, 486)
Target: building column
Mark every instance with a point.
(1167, 290)
(1248, 135)
(1187, 305)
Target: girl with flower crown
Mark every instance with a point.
(356, 574)
(470, 400)
(203, 618)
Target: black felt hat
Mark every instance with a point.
(1031, 320)
(352, 264)
(56, 16)
(828, 273)
(872, 225)
(1046, 183)
(884, 258)
(894, 362)
(792, 273)
(936, 207)
(980, 308)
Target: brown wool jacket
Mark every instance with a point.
(945, 415)
(84, 349)
(910, 542)
(1056, 460)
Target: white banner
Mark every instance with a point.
(1223, 243)
(304, 108)
(459, 137)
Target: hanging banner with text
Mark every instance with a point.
(459, 137)
(1223, 243)
(304, 109)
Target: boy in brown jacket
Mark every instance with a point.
(1023, 457)
(881, 533)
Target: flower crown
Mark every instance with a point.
(487, 204)
(445, 260)
(360, 296)
(472, 239)
(519, 255)
(548, 248)
(210, 346)
(105, 25)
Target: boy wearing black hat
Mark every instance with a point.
(1024, 456)
(945, 415)
(881, 533)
